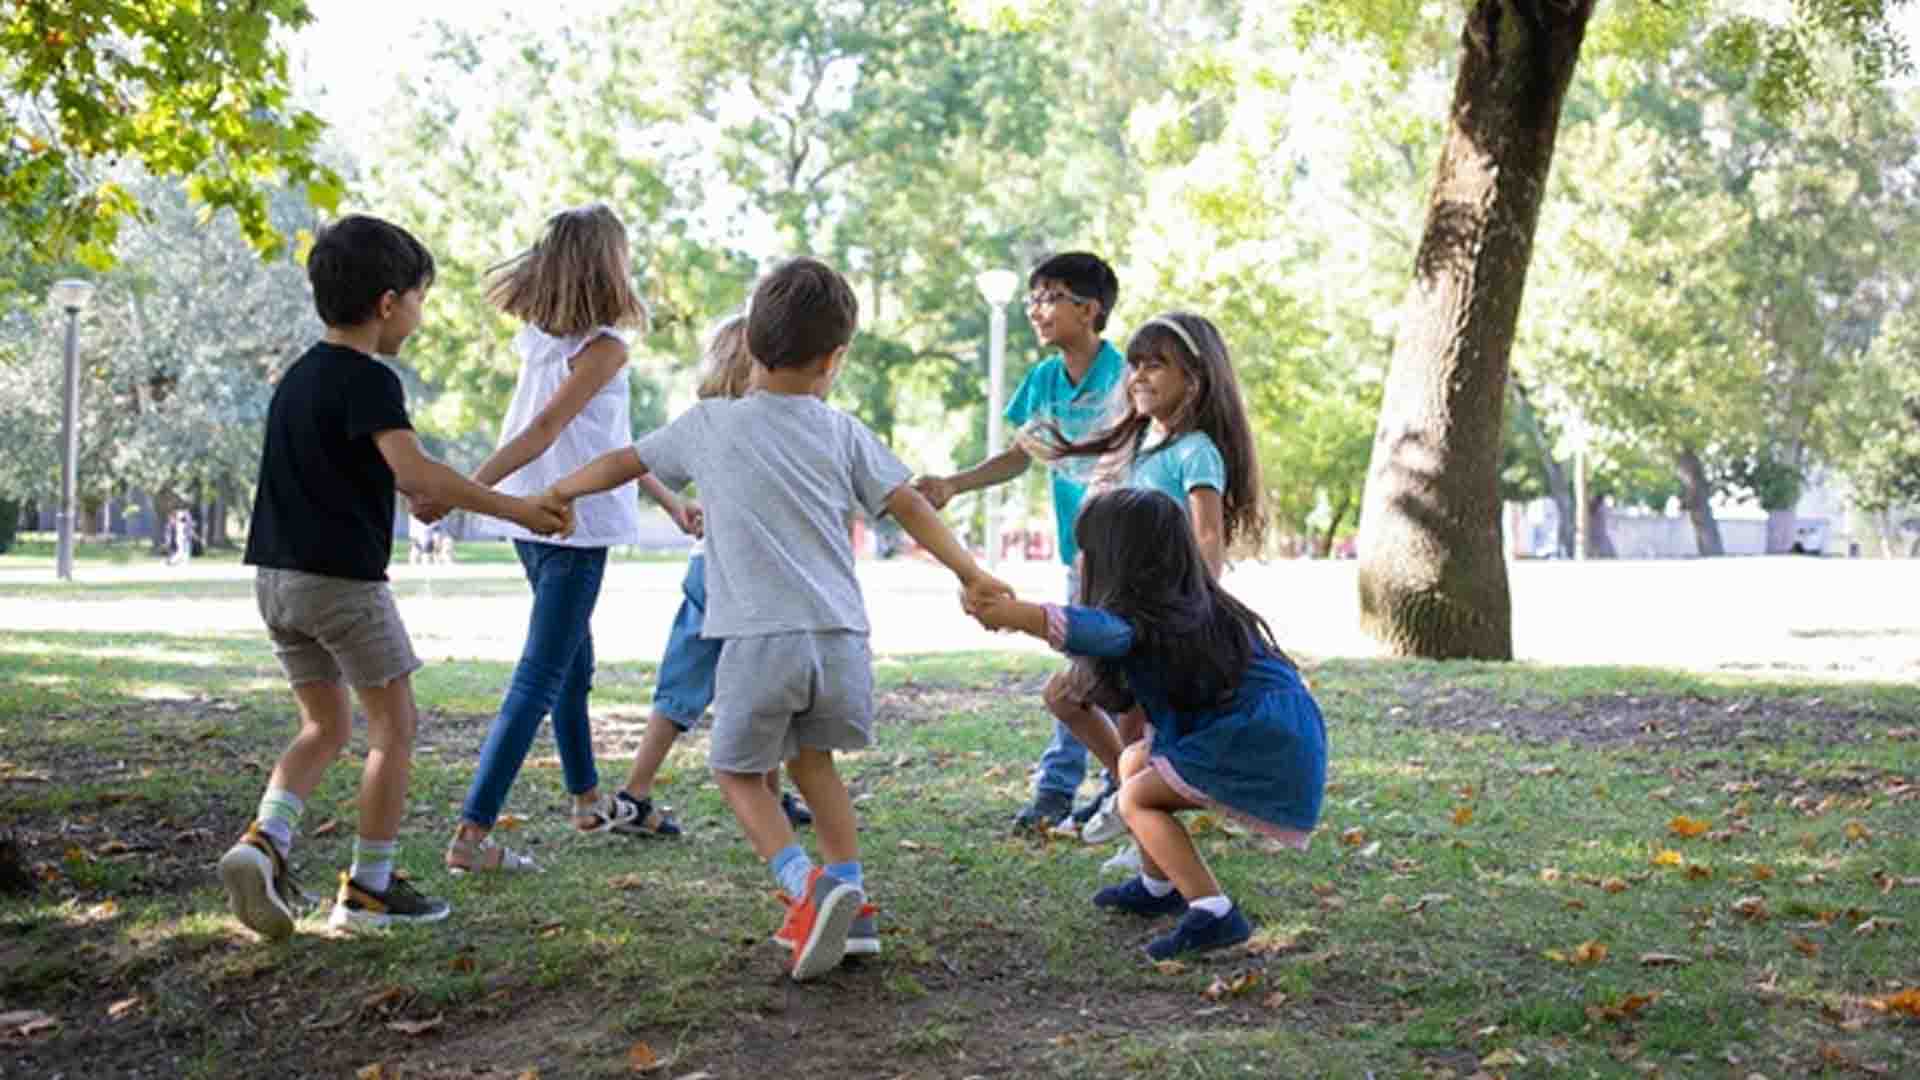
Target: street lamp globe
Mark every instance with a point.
(996, 286)
(71, 294)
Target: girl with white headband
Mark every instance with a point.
(1183, 431)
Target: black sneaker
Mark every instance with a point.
(1044, 812)
(639, 817)
(1134, 899)
(797, 813)
(260, 888)
(401, 904)
(1198, 931)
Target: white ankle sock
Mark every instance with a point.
(1155, 887)
(1215, 905)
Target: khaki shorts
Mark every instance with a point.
(778, 693)
(329, 629)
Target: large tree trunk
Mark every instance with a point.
(1432, 579)
(1695, 492)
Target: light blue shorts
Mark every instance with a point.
(684, 687)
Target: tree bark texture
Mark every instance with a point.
(1432, 579)
(1599, 540)
(1695, 491)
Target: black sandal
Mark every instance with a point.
(638, 817)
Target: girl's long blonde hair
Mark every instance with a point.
(575, 278)
(727, 370)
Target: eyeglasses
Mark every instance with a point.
(1053, 296)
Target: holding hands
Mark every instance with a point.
(689, 517)
(937, 490)
(547, 515)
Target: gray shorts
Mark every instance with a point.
(329, 629)
(778, 693)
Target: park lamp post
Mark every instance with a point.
(69, 295)
(996, 287)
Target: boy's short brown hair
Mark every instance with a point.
(800, 312)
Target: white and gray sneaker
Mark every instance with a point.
(1128, 860)
(1105, 824)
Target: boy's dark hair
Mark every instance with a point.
(1087, 274)
(801, 311)
(1140, 562)
(357, 260)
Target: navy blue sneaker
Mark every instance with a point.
(1134, 899)
(1198, 931)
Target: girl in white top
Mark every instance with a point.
(572, 403)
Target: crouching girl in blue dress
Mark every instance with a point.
(1231, 726)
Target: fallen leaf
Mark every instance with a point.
(1858, 833)
(1687, 828)
(376, 1071)
(326, 827)
(1760, 872)
(1550, 875)
(552, 930)
(1698, 872)
(1354, 837)
(1590, 952)
(1503, 1059)
(508, 822)
(415, 1027)
(1804, 947)
(27, 1022)
(1661, 959)
(1170, 967)
(627, 881)
(1462, 816)
(1614, 885)
(1876, 924)
(1753, 907)
(1625, 1008)
(1432, 899)
(642, 1059)
(1274, 1000)
(1668, 857)
(464, 964)
(121, 1008)
(1906, 1001)
(386, 999)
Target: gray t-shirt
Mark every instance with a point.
(779, 476)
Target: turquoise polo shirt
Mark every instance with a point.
(1046, 396)
(1176, 468)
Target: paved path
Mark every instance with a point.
(1828, 618)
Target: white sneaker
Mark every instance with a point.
(1105, 824)
(1127, 860)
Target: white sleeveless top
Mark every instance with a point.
(602, 520)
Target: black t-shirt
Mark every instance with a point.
(325, 503)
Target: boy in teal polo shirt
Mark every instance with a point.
(1069, 297)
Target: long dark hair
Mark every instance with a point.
(1214, 407)
(1140, 562)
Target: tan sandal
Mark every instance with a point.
(485, 856)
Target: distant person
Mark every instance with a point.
(684, 685)
(180, 537)
(1069, 299)
(1233, 726)
(337, 445)
(422, 541)
(779, 470)
(573, 290)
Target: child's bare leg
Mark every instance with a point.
(326, 719)
(655, 742)
(1132, 725)
(773, 782)
(1147, 802)
(757, 810)
(1088, 724)
(391, 721)
(826, 794)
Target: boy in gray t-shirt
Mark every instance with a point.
(779, 473)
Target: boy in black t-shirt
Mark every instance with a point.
(337, 445)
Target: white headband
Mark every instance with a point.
(1178, 331)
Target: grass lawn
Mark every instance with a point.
(1523, 871)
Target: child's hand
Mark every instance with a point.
(994, 612)
(549, 515)
(937, 490)
(982, 588)
(690, 518)
(426, 509)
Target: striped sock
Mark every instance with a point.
(373, 863)
(278, 816)
(791, 868)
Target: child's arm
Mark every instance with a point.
(1079, 631)
(998, 469)
(916, 515)
(604, 473)
(1206, 511)
(593, 368)
(1009, 613)
(685, 514)
(421, 476)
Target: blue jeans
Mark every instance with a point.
(554, 674)
(1063, 764)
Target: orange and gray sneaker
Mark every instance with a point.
(863, 934)
(817, 924)
(401, 904)
(260, 888)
